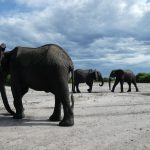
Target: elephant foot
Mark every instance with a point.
(78, 92)
(55, 118)
(129, 91)
(89, 90)
(67, 122)
(18, 116)
(74, 91)
(112, 90)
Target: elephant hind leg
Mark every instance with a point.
(121, 86)
(56, 116)
(135, 85)
(68, 119)
(129, 90)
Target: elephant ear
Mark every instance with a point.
(120, 72)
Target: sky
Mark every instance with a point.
(97, 34)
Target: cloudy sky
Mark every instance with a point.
(100, 34)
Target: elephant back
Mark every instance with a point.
(58, 54)
(129, 75)
(49, 54)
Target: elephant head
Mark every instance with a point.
(98, 77)
(115, 74)
(2, 80)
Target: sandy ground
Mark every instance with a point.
(103, 121)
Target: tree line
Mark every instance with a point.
(140, 78)
(143, 77)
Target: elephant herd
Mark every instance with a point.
(47, 68)
(88, 76)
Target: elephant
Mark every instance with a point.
(45, 68)
(122, 76)
(86, 76)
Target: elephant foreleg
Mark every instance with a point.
(77, 87)
(121, 86)
(56, 116)
(115, 84)
(17, 95)
(18, 91)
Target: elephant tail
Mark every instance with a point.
(71, 69)
(72, 91)
(72, 101)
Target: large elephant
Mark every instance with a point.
(86, 76)
(123, 76)
(45, 68)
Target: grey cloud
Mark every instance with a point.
(97, 34)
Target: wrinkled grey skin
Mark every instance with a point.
(86, 76)
(45, 68)
(123, 76)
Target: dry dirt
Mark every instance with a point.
(103, 121)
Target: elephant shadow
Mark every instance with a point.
(7, 121)
(146, 94)
(88, 92)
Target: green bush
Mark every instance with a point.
(140, 77)
(143, 77)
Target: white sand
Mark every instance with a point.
(103, 121)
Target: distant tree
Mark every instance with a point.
(70, 80)
(106, 79)
(143, 77)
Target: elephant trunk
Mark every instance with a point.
(72, 101)
(73, 89)
(3, 93)
(109, 83)
(5, 100)
(2, 87)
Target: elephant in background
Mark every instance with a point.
(45, 68)
(86, 76)
(123, 76)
